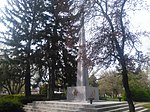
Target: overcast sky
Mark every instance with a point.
(141, 22)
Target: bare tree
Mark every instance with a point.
(112, 42)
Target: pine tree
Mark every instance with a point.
(36, 36)
(22, 19)
(59, 25)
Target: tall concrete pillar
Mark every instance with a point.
(82, 91)
(82, 68)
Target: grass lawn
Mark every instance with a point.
(146, 105)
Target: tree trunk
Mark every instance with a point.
(50, 92)
(127, 90)
(27, 81)
(27, 73)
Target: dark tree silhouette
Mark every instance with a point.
(36, 36)
(112, 42)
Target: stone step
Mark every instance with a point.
(74, 106)
(79, 104)
(64, 106)
(138, 108)
(143, 110)
(108, 104)
(59, 106)
(56, 105)
(118, 109)
(126, 109)
(106, 108)
(50, 108)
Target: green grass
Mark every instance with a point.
(147, 105)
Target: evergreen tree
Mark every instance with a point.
(59, 25)
(23, 20)
(37, 36)
(93, 81)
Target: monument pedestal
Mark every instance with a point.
(82, 93)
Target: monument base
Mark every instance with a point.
(82, 93)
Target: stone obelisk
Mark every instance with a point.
(82, 91)
(82, 68)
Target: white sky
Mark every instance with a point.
(141, 22)
(2, 2)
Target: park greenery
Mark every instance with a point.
(40, 48)
(11, 104)
(110, 86)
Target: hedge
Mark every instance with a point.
(11, 103)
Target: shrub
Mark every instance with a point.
(25, 100)
(139, 94)
(10, 103)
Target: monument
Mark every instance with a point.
(82, 91)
